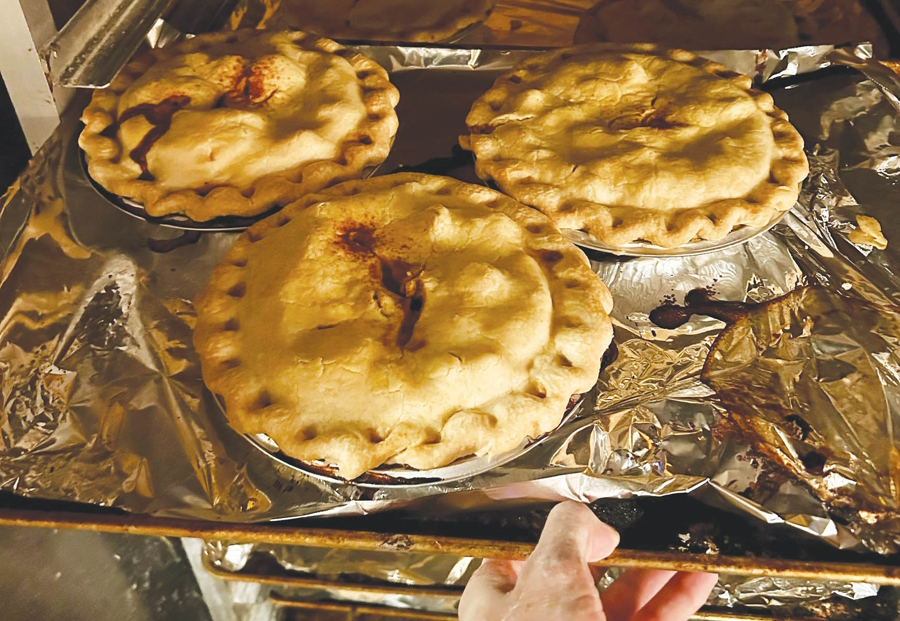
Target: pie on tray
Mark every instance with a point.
(635, 145)
(234, 124)
(406, 319)
(423, 21)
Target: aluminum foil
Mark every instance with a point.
(397, 567)
(811, 599)
(103, 401)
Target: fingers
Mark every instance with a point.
(555, 578)
(485, 594)
(573, 534)
(632, 591)
(680, 598)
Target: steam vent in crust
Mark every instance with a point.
(637, 146)
(406, 319)
(235, 124)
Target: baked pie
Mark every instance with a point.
(406, 319)
(728, 24)
(423, 21)
(634, 145)
(234, 124)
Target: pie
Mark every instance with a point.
(728, 24)
(633, 145)
(235, 124)
(407, 319)
(424, 21)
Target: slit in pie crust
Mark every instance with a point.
(637, 145)
(405, 319)
(234, 124)
(423, 21)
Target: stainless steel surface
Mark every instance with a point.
(63, 575)
(102, 36)
(24, 29)
(99, 39)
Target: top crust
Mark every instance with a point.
(423, 21)
(406, 319)
(636, 145)
(234, 124)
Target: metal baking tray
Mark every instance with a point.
(102, 218)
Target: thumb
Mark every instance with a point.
(574, 534)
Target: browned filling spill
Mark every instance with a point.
(248, 87)
(698, 302)
(159, 115)
(399, 278)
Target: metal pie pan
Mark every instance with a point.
(740, 235)
(403, 476)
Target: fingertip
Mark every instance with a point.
(604, 539)
(570, 516)
(707, 580)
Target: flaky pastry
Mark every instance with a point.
(238, 123)
(406, 319)
(635, 145)
(424, 21)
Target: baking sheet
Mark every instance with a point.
(104, 403)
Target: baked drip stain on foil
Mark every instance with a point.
(803, 377)
(104, 403)
(698, 302)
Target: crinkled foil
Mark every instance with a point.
(398, 567)
(103, 401)
(791, 596)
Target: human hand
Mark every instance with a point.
(556, 583)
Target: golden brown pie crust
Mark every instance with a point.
(637, 145)
(234, 124)
(422, 21)
(406, 319)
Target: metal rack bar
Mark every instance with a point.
(304, 582)
(353, 609)
(297, 534)
(386, 589)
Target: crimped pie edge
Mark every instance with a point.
(582, 329)
(102, 152)
(610, 225)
